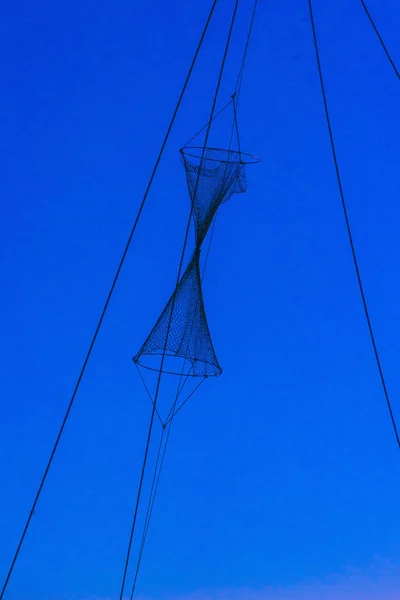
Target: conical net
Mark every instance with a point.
(182, 330)
(212, 181)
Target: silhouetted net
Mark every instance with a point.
(181, 331)
(188, 337)
(212, 181)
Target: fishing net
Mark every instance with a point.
(181, 331)
(213, 175)
(188, 337)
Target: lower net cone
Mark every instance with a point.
(182, 332)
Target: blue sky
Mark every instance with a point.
(282, 475)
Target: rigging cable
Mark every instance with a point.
(239, 82)
(349, 232)
(107, 302)
(149, 433)
(146, 387)
(378, 35)
(150, 506)
(206, 125)
(174, 411)
(166, 425)
(238, 87)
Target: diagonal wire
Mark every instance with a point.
(188, 374)
(378, 35)
(236, 127)
(105, 307)
(350, 235)
(148, 391)
(204, 126)
(239, 81)
(156, 480)
(175, 412)
(173, 303)
(154, 487)
(167, 425)
(238, 87)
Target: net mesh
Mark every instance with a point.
(212, 181)
(188, 337)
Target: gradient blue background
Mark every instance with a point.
(285, 468)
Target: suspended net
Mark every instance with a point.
(212, 175)
(181, 332)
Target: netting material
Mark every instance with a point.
(181, 331)
(189, 337)
(211, 182)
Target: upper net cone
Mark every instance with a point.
(213, 175)
(188, 337)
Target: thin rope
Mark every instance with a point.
(182, 385)
(236, 127)
(239, 81)
(152, 492)
(148, 392)
(168, 425)
(160, 455)
(173, 301)
(204, 126)
(153, 483)
(378, 35)
(154, 486)
(157, 459)
(107, 302)
(150, 512)
(350, 235)
(238, 87)
(173, 415)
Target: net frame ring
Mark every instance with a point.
(197, 153)
(210, 369)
